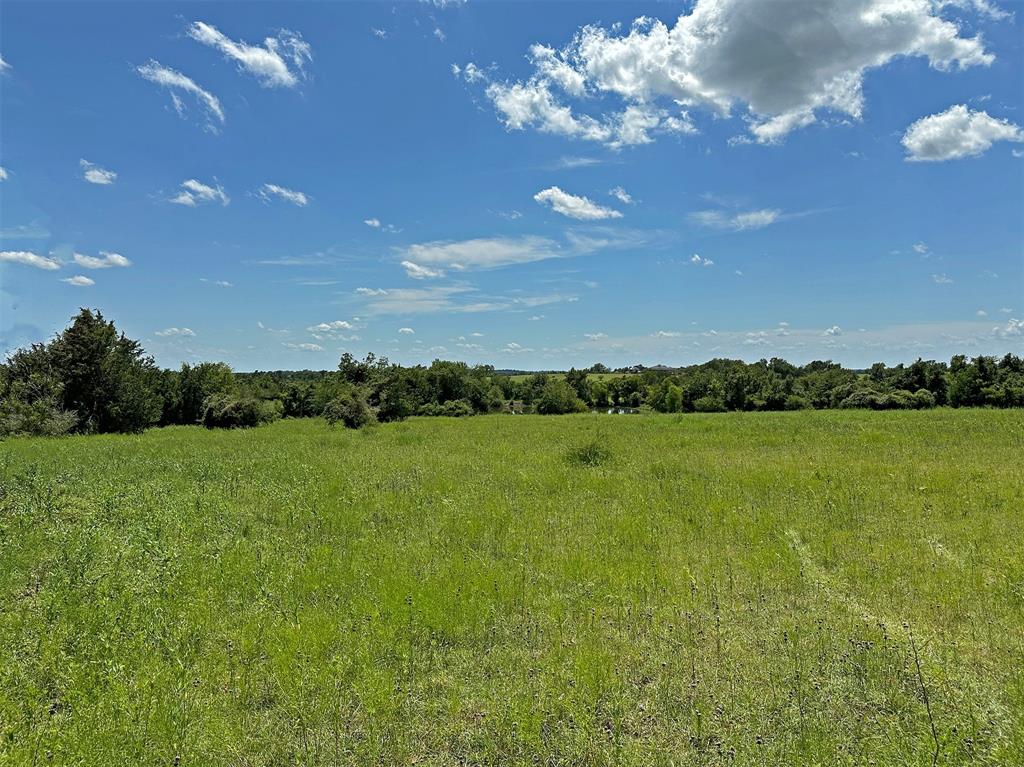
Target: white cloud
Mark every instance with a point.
(483, 253)
(371, 291)
(279, 62)
(580, 208)
(29, 259)
(752, 219)
(104, 261)
(290, 195)
(4, 66)
(535, 318)
(171, 79)
(194, 192)
(3, 173)
(958, 132)
(595, 336)
(418, 272)
(79, 281)
(942, 279)
(835, 330)
(921, 248)
(94, 174)
(621, 195)
(407, 331)
(514, 348)
(1006, 310)
(783, 62)
(373, 223)
(1013, 328)
(981, 313)
(665, 334)
(699, 261)
(327, 327)
(303, 347)
(218, 283)
(172, 332)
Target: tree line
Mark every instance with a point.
(93, 379)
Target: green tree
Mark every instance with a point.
(107, 378)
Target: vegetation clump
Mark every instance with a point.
(350, 410)
(590, 454)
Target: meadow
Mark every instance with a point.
(815, 587)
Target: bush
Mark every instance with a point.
(226, 411)
(42, 418)
(862, 398)
(796, 402)
(709, 404)
(594, 453)
(923, 399)
(558, 397)
(349, 409)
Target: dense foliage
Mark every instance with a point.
(91, 378)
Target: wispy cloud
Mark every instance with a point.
(94, 174)
(217, 283)
(174, 81)
(303, 347)
(175, 332)
(737, 222)
(621, 195)
(194, 192)
(29, 259)
(278, 63)
(418, 272)
(268, 191)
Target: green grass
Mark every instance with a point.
(745, 589)
(520, 377)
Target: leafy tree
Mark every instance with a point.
(558, 397)
(106, 377)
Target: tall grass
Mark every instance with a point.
(802, 588)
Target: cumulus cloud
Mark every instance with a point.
(697, 260)
(79, 281)
(580, 208)
(835, 330)
(418, 272)
(29, 259)
(173, 331)
(782, 63)
(3, 173)
(104, 261)
(94, 174)
(4, 66)
(278, 63)
(194, 192)
(406, 331)
(268, 191)
(958, 132)
(175, 81)
(752, 219)
(1013, 328)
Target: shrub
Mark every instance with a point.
(42, 418)
(923, 399)
(862, 398)
(709, 404)
(796, 402)
(593, 453)
(226, 411)
(349, 409)
(558, 397)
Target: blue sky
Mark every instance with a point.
(527, 185)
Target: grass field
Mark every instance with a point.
(751, 589)
(520, 377)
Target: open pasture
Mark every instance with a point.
(840, 587)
